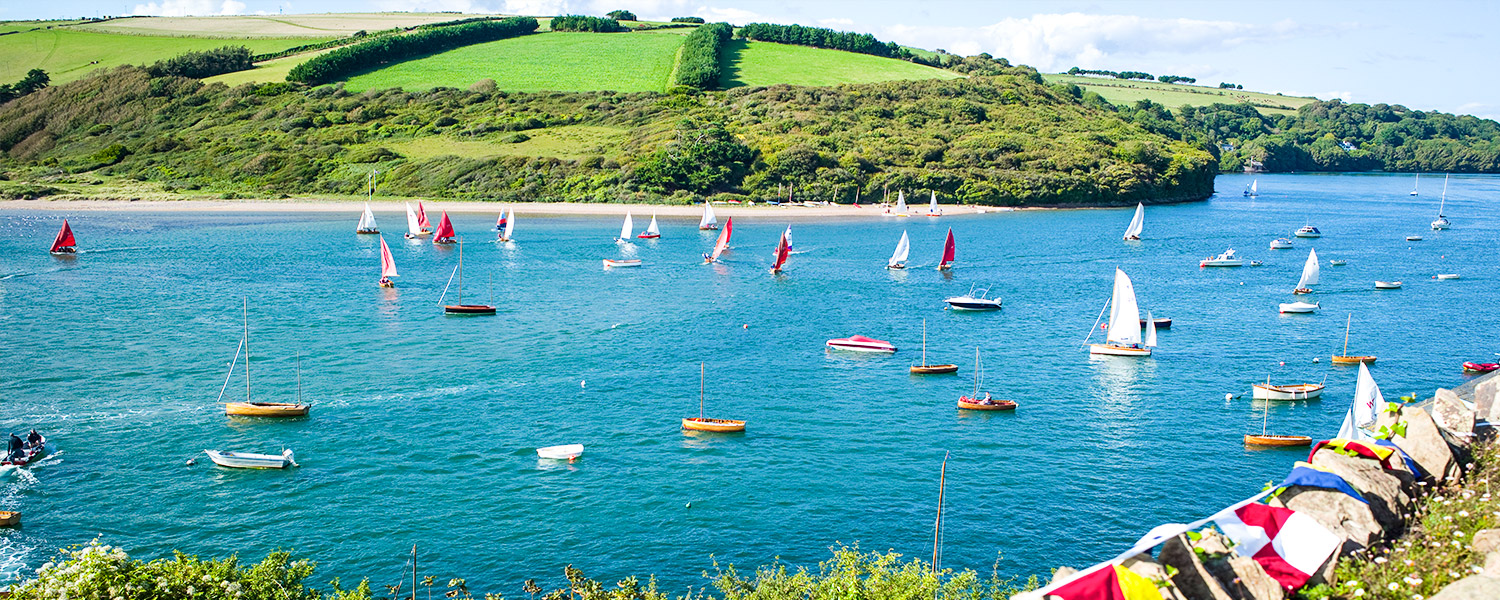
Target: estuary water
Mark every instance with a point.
(424, 427)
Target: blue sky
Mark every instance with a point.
(1425, 55)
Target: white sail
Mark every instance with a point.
(1137, 223)
(1443, 201)
(901, 203)
(1368, 404)
(510, 223)
(903, 250)
(708, 219)
(651, 229)
(412, 224)
(932, 208)
(1309, 271)
(1416, 184)
(1150, 331)
(366, 220)
(1254, 186)
(625, 230)
(1124, 315)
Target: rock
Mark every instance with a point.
(1487, 399)
(1192, 578)
(1485, 541)
(1062, 573)
(1243, 578)
(1143, 565)
(1492, 565)
(1422, 442)
(1384, 490)
(1450, 413)
(1473, 587)
(1344, 516)
(1213, 543)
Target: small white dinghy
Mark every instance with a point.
(1299, 307)
(621, 263)
(1387, 285)
(566, 452)
(625, 231)
(1413, 238)
(903, 251)
(245, 460)
(1446, 276)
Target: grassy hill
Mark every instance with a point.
(67, 54)
(267, 26)
(763, 63)
(1173, 95)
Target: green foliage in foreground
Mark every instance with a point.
(206, 63)
(698, 62)
(349, 59)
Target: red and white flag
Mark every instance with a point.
(1289, 545)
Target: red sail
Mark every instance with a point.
(444, 230)
(422, 218)
(387, 263)
(64, 238)
(723, 242)
(947, 249)
(782, 249)
(500, 223)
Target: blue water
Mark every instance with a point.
(424, 426)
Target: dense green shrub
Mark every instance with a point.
(687, 19)
(34, 80)
(350, 59)
(621, 15)
(207, 63)
(698, 61)
(819, 37)
(704, 158)
(586, 23)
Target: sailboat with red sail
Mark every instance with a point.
(947, 262)
(64, 244)
(422, 219)
(783, 249)
(444, 234)
(500, 222)
(387, 265)
(723, 243)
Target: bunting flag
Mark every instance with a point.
(1308, 475)
(1365, 449)
(1289, 545)
(1112, 582)
(1411, 465)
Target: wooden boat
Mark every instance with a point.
(709, 221)
(783, 250)
(702, 423)
(1281, 244)
(1266, 439)
(970, 302)
(461, 308)
(387, 266)
(621, 263)
(250, 408)
(903, 251)
(416, 224)
(64, 244)
(1345, 359)
(947, 261)
(861, 343)
(1123, 337)
(445, 233)
(974, 401)
(246, 460)
(1387, 285)
(626, 230)
(651, 232)
(1474, 368)
(1227, 259)
(9, 518)
(1445, 276)
(1295, 391)
(722, 243)
(568, 452)
(1308, 231)
(926, 369)
(932, 207)
(1441, 222)
(1137, 223)
(505, 226)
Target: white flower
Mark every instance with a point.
(1416, 597)
(1393, 586)
(1463, 513)
(1478, 569)
(1380, 560)
(1458, 534)
(1361, 592)
(1456, 544)
(1447, 518)
(1453, 574)
(1408, 562)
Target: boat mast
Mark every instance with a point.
(299, 378)
(413, 572)
(1265, 417)
(1347, 322)
(976, 373)
(460, 276)
(937, 531)
(700, 390)
(245, 312)
(924, 342)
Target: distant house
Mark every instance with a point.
(1254, 166)
(1226, 147)
(1348, 146)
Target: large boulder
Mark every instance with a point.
(1485, 405)
(1244, 578)
(1473, 587)
(1143, 565)
(1344, 516)
(1423, 441)
(1449, 412)
(1485, 541)
(1192, 577)
(1388, 498)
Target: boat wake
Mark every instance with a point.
(103, 250)
(612, 327)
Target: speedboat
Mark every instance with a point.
(1445, 276)
(1473, 368)
(1299, 307)
(568, 452)
(29, 452)
(970, 302)
(1281, 244)
(1296, 391)
(629, 262)
(1338, 263)
(1387, 285)
(1226, 259)
(1413, 238)
(861, 343)
(245, 460)
(1308, 231)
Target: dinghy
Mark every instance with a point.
(414, 228)
(1368, 404)
(722, 244)
(249, 408)
(1387, 285)
(9, 518)
(1280, 441)
(1446, 276)
(568, 452)
(970, 302)
(508, 227)
(1137, 223)
(445, 234)
(1413, 238)
(1441, 222)
(621, 263)
(861, 343)
(1227, 259)
(985, 402)
(1308, 231)
(926, 369)
(901, 209)
(1299, 307)
(1309, 274)
(1281, 244)
(783, 250)
(947, 262)
(1124, 333)
(1337, 262)
(903, 250)
(1253, 189)
(651, 232)
(461, 308)
(1474, 368)
(1416, 184)
(932, 207)
(1159, 323)
(625, 231)
(702, 423)
(387, 266)
(366, 222)
(246, 460)
(64, 244)
(1345, 359)
(1295, 391)
(709, 221)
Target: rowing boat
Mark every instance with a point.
(245, 460)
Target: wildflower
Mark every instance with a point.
(1392, 586)
(1380, 560)
(1437, 498)
(1479, 569)
(1458, 534)
(1463, 513)
(1447, 518)
(1454, 574)
(1409, 562)
(1416, 597)
(1456, 544)
(1361, 592)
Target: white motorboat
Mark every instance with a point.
(1308, 231)
(1413, 238)
(621, 263)
(1387, 285)
(970, 302)
(1124, 335)
(1296, 391)
(861, 343)
(566, 452)
(246, 460)
(1446, 276)
(1441, 222)
(1299, 307)
(1137, 223)
(1227, 259)
(1281, 244)
(1337, 262)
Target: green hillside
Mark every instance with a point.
(67, 54)
(1173, 95)
(764, 63)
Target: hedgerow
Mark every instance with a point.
(350, 59)
(698, 62)
(588, 24)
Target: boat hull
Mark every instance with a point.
(962, 303)
(1301, 391)
(1353, 360)
(648, 236)
(565, 452)
(237, 460)
(1473, 368)
(9, 518)
(265, 409)
(1222, 263)
(933, 369)
(367, 231)
(1278, 441)
(712, 425)
(1446, 276)
(1161, 323)
(620, 264)
(967, 403)
(857, 344)
(708, 228)
(1387, 285)
(469, 309)
(1298, 308)
(1113, 350)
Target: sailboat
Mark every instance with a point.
(903, 250)
(926, 369)
(651, 232)
(1367, 405)
(366, 222)
(702, 423)
(64, 243)
(1345, 359)
(625, 230)
(932, 207)
(508, 225)
(1124, 336)
(461, 308)
(422, 218)
(500, 221)
(1309, 274)
(974, 401)
(723, 243)
(1442, 222)
(947, 262)
(1253, 189)
(387, 266)
(901, 209)
(708, 221)
(258, 409)
(414, 224)
(1415, 185)
(783, 249)
(444, 233)
(1137, 223)
(1267, 439)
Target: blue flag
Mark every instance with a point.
(1306, 475)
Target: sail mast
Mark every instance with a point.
(924, 342)
(245, 312)
(937, 531)
(460, 273)
(1347, 322)
(700, 390)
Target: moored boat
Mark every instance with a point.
(970, 302)
(1308, 231)
(1282, 441)
(568, 452)
(266, 409)
(1137, 223)
(611, 263)
(249, 407)
(461, 308)
(10, 518)
(1159, 322)
(1413, 238)
(1446, 276)
(1281, 244)
(1387, 285)
(1345, 358)
(926, 369)
(246, 460)
(1295, 391)
(1474, 368)
(1227, 259)
(1441, 222)
(64, 244)
(861, 343)
(702, 423)
(1123, 337)
(1337, 262)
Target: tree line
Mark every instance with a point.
(819, 37)
(698, 61)
(1140, 75)
(586, 23)
(364, 55)
(34, 80)
(206, 63)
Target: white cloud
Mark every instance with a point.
(836, 22)
(183, 8)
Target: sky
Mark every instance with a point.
(1432, 55)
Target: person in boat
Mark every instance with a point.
(15, 451)
(33, 439)
(386, 282)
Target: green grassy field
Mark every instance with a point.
(266, 72)
(67, 54)
(572, 142)
(557, 61)
(273, 26)
(764, 63)
(1119, 91)
(9, 26)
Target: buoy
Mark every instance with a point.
(1283, 363)
(191, 462)
(1228, 397)
(1242, 283)
(747, 326)
(1315, 360)
(583, 383)
(688, 505)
